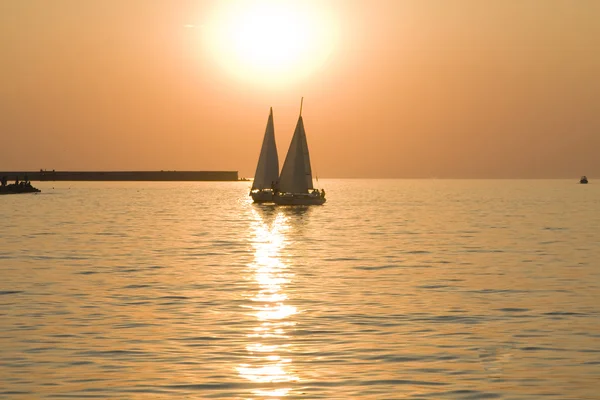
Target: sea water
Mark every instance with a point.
(419, 289)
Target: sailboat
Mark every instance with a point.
(295, 186)
(267, 170)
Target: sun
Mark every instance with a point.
(270, 41)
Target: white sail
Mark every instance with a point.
(296, 175)
(267, 170)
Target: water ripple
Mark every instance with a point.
(398, 289)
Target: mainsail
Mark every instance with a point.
(296, 176)
(267, 170)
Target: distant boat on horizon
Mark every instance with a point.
(295, 186)
(267, 169)
(583, 179)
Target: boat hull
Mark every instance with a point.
(262, 196)
(298, 199)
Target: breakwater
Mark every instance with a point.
(44, 175)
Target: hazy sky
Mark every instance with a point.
(419, 88)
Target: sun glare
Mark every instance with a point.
(270, 41)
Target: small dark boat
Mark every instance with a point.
(583, 179)
(17, 188)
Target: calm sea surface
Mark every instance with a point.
(418, 289)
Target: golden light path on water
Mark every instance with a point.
(268, 306)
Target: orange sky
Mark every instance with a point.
(421, 88)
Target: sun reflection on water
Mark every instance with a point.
(268, 344)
